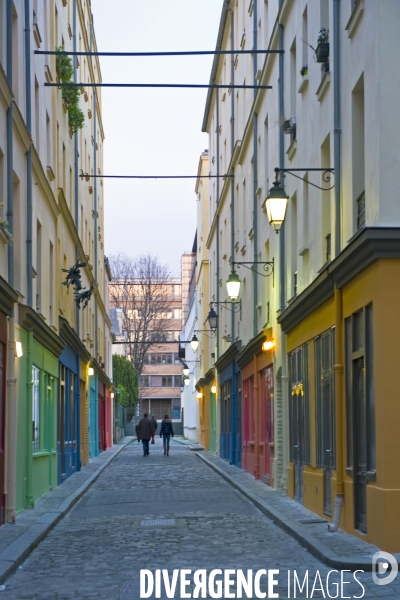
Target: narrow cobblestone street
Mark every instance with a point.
(97, 551)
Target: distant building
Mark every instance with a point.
(191, 424)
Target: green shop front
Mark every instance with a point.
(37, 408)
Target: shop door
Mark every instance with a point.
(360, 439)
(226, 420)
(268, 437)
(61, 428)
(325, 412)
(328, 436)
(298, 446)
(2, 427)
(102, 424)
(213, 422)
(299, 418)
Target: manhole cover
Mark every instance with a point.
(152, 522)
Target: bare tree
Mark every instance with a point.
(141, 288)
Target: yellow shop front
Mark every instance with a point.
(342, 339)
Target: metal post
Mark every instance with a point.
(337, 121)
(255, 179)
(28, 91)
(233, 385)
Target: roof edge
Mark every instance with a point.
(214, 68)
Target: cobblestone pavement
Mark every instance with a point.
(98, 549)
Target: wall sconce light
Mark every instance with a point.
(90, 371)
(185, 370)
(268, 345)
(18, 349)
(112, 395)
(194, 343)
(214, 388)
(199, 395)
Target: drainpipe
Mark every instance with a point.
(96, 233)
(217, 287)
(282, 447)
(233, 386)
(29, 459)
(76, 154)
(255, 176)
(337, 121)
(339, 410)
(29, 228)
(11, 409)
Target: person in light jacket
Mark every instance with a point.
(166, 431)
(145, 431)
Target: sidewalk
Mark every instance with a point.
(338, 550)
(32, 525)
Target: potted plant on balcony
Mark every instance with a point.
(304, 70)
(322, 51)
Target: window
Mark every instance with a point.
(177, 381)
(299, 406)
(144, 381)
(328, 246)
(361, 210)
(177, 360)
(166, 381)
(324, 395)
(35, 410)
(360, 390)
(160, 359)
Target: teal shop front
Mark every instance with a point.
(93, 415)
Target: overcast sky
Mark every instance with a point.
(153, 131)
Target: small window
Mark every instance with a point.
(35, 410)
(361, 210)
(177, 381)
(166, 382)
(328, 240)
(144, 381)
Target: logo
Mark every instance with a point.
(384, 568)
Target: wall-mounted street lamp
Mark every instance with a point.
(194, 344)
(277, 199)
(18, 350)
(90, 371)
(199, 395)
(214, 388)
(186, 381)
(233, 283)
(185, 370)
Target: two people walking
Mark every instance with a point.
(145, 430)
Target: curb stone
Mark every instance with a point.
(315, 547)
(18, 550)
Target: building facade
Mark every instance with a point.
(191, 423)
(313, 413)
(50, 219)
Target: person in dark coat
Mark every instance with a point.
(137, 433)
(166, 431)
(145, 431)
(154, 424)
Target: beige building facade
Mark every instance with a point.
(50, 219)
(311, 414)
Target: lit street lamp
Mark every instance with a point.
(276, 205)
(233, 286)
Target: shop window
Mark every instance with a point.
(35, 410)
(360, 390)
